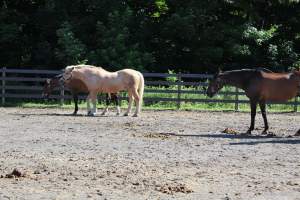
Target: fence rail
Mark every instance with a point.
(28, 84)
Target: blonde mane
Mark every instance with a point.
(72, 67)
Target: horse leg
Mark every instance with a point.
(137, 103)
(130, 99)
(262, 105)
(75, 98)
(115, 98)
(94, 102)
(107, 102)
(88, 103)
(253, 105)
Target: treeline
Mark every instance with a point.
(195, 36)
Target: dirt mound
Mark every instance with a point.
(174, 188)
(158, 135)
(229, 131)
(15, 174)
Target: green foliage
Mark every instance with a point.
(114, 49)
(259, 36)
(287, 54)
(151, 35)
(70, 50)
(9, 32)
(162, 8)
(172, 78)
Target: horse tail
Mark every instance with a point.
(141, 88)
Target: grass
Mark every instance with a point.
(155, 106)
(68, 104)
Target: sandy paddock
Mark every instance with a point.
(160, 155)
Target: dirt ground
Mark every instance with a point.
(160, 155)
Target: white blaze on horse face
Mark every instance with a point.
(48, 80)
(67, 76)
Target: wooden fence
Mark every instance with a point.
(28, 84)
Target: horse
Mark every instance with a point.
(76, 86)
(98, 80)
(260, 86)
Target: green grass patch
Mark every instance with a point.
(161, 92)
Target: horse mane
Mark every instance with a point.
(264, 70)
(71, 67)
(248, 70)
(239, 70)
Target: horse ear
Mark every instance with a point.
(219, 70)
(59, 76)
(69, 68)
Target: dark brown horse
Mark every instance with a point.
(260, 86)
(76, 87)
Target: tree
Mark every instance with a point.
(114, 48)
(70, 49)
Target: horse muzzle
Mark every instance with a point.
(45, 96)
(210, 94)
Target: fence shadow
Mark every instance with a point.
(255, 139)
(62, 115)
(280, 141)
(222, 135)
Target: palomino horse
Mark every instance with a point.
(99, 80)
(76, 86)
(260, 86)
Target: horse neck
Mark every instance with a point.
(296, 74)
(55, 82)
(236, 79)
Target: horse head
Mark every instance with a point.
(215, 85)
(49, 85)
(67, 75)
(47, 89)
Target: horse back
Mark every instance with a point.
(131, 76)
(278, 86)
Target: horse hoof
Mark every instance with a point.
(270, 134)
(103, 113)
(247, 133)
(118, 114)
(126, 114)
(91, 114)
(265, 133)
(135, 115)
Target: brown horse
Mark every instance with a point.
(76, 86)
(260, 86)
(99, 80)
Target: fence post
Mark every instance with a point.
(179, 90)
(296, 103)
(236, 106)
(62, 94)
(3, 85)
